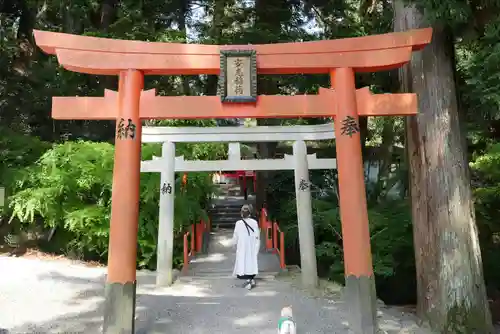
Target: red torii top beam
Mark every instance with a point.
(105, 56)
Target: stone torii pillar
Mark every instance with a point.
(164, 260)
(304, 216)
(234, 151)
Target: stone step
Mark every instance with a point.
(220, 222)
(229, 186)
(224, 225)
(225, 208)
(237, 202)
(233, 200)
(230, 198)
(225, 215)
(225, 218)
(221, 213)
(229, 204)
(224, 212)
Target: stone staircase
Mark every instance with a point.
(225, 210)
(225, 214)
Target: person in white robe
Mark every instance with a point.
(246, 237)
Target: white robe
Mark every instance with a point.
(247, 247)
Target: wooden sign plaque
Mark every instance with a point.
(238, 76)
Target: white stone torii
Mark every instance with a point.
(168, 164)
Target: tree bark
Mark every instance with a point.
(385, 158)
(450, 284)
(265, 17)
(181, 19)
(106, 130)
(108, 14)
(215, 34)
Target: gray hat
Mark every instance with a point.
(246, 211)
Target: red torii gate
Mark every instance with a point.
(131, 60)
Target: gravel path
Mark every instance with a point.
(44, 296)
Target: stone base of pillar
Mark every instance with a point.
(164, 277)
(361, 299)
(119, 308)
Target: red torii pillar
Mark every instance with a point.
(359, 280)
(131, 60)
(122, 251)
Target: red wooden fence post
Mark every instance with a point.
(275, 237)
(186, 252)
(282, 250)
(193, 240)
(199, 235)
(261, 219)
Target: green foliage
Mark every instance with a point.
(454, 12)
(479, 65)
(391, 238)
(486, 171)
(70, 188)
(17, 151)
(488, 165)
(390, 227)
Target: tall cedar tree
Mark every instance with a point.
(450, 284)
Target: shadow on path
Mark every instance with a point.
(60, 297)
(202, 306)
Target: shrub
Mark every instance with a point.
(69, 187)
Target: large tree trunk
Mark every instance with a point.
(181, 19)
(264, 17)
(108, 14)
(215, 34)
(450, 284)
(106, 130)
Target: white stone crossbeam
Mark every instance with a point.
(160, 134)
(157, 165)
